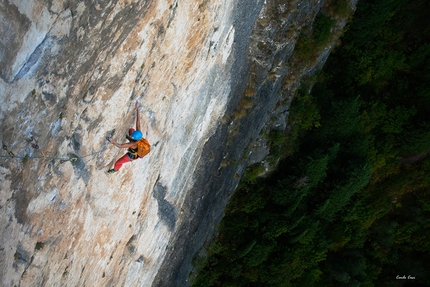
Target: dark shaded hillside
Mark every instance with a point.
(350, 203)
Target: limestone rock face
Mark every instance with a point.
(70, 73)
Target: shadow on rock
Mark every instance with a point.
(79, 167)
(166, 211)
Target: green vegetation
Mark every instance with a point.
(39, 245)
(339, 8)
(310, 41)
(203, 4)
(349, 203)
(253, 173)
(25, 159)
(322, 29)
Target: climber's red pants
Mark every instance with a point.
(125, 158)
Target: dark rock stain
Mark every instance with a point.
(33, 59)
(166, 211)
(22, 199)
(13, 26)
(79, 167)
(49, 97)
(76, 142)
(130, 247)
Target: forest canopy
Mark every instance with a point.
(350, 203)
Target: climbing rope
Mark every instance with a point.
(62, 159)
(43, 156)
(93, 153)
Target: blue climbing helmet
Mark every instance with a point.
(136, 135)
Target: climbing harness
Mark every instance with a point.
(132, 154)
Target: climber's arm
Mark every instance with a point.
(137, 117)
(132, 145)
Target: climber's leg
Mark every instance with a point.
(124, 159)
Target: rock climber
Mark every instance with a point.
(137, 146)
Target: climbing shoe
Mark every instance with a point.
(112, 171)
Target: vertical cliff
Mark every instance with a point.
(70, 73)
(263, 86)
